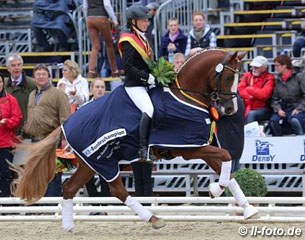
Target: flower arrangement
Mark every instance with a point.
(163, 71)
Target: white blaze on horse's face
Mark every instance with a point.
(234, 89)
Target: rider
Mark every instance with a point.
(136, 52)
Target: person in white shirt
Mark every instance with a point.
(74, 85)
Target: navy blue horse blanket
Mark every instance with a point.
(105, 131)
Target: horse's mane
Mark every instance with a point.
(218, 49)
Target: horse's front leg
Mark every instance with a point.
(81, 176)
(220, 161)
(119, 191)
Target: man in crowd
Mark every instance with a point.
(48, 108)
(18, 84)
(256, 88)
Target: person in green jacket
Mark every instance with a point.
(18, 84)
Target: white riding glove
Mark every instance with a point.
(151, 80)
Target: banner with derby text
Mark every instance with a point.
(288, 149)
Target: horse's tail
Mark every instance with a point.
(39, 168)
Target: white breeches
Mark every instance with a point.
(141, 99)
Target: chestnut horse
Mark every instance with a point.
(208, 78)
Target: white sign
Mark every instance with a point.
(288, 149)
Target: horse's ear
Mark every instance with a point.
(233, 57)
(242, 55)
(236, 56)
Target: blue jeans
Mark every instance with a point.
(42, 39)
(258, 115)
(6, 175)
(298, 44)
(290, 124)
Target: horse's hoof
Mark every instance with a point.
(215, 190)
(68, 229)
(250, 212)
(160, 223)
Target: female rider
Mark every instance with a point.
(136, 52)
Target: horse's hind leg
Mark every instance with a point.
(81, 176)
(118, 190)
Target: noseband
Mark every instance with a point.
(214, 95)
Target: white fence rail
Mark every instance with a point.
(271, 209)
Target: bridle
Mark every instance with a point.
(214, 95)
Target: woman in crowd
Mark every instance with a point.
(288, 100)
(74, 85)
(10, 119)
(174, 41)
(178, 60)
(98, 14)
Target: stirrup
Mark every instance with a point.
(142, 154)
(215, 190)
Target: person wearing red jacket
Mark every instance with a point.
(10, 119)
(256, 88)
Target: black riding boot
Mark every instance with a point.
(143, 136)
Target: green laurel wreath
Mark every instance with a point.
(163, 71)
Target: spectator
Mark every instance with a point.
(48, 108)
(105, 70)
(150, 32)
(174, 41)
(219, 4)
(10, 119)
(288, 100)
(18, 84)
(201, 35)
(299, 43)
(255, 88)
(98, 23)
(97, 88)
(74, 85)
(178, 60)
(51, 20)
(145, 2)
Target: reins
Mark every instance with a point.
(183, 92)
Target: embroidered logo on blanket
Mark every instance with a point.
(107, 137)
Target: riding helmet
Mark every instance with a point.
(137, 12)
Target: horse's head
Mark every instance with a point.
(210, 79)
(225, 83)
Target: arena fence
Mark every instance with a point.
(271, 209)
